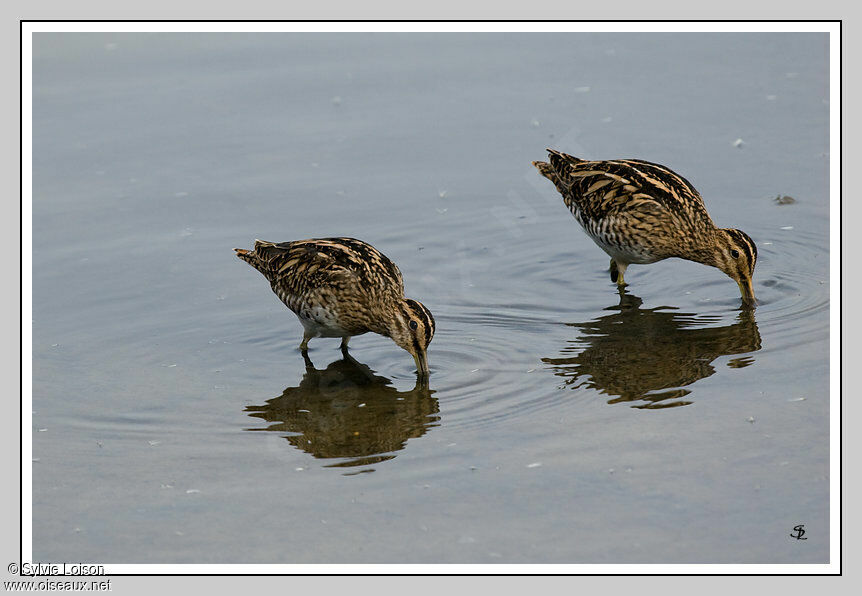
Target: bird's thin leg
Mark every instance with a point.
(617, 272)
(344, 341)
(304, 345)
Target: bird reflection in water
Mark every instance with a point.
(650, 354)
(346, 411)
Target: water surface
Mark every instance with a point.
(564, 421)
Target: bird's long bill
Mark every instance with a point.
(747, 291)
(421, 359)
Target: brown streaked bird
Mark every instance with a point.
(641, 212)
(341, 287)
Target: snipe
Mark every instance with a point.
(641, 212)
(341, 287)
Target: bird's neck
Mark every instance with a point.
(704, 250)
(395, 324)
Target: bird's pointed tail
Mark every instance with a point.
(264, 257)
(557, 168)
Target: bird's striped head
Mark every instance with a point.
(736, 255)
(412, 328)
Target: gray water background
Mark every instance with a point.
(174, 421)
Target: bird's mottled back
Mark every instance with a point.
(303, 265)
(599, 189)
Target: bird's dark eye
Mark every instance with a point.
(414, 325)
(734, 253)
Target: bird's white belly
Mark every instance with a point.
(316, 320)
(630, 254)
(320, 322)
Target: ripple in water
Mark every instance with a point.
(794, 296)
(485, 366)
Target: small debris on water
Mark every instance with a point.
(751, 419)
(738, 143)
(154, 443)
(787, 228)
(534, 464)
(442, 194)
(192, 491)
(784, 200)
(361, 406)
(535, 123)
(796, 399)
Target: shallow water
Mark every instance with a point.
(175, 421)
